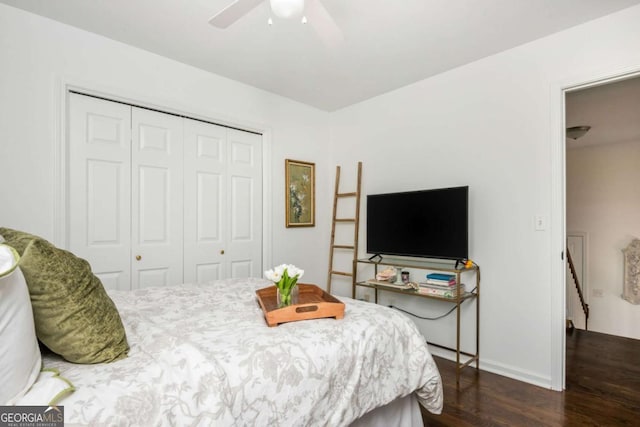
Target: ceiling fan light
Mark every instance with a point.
(576, 132)
(286, 8)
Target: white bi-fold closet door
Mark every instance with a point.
(156, 199)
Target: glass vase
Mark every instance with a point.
(286, 299)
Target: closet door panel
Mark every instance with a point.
(205, 206)
(154, 205)
(150, 277)
(104, 194)
(99, 187)
(157, 198)
(242, 197)
(209, 204)
(207, 272)
(245, 202)
(242, 268)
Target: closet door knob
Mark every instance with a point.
(138, 257)
(222, 252)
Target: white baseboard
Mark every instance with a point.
(497, 368)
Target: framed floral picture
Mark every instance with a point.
(300, 189)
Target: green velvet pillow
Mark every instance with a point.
(19, 240)
(74, 316)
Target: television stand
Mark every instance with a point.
(451, 267)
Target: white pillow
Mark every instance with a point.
(8, 259)
(20, 360)
(48, 389)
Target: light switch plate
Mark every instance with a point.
(540, 223)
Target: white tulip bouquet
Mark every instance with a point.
(285, 277)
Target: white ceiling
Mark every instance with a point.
(387, 44)
(612, 110)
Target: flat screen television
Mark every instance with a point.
(427, 223)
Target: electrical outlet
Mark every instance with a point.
(597, 293)
(540, 223)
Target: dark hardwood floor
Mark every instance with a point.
(603, 389)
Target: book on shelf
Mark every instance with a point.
(429, 285)
(441, 276)
(389, 284)
(438, 285)
(436, 282)
(449, 292)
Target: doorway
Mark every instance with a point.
(603, 200)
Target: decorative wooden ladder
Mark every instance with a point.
(337, 196)
(585, 306)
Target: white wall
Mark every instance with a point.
(38, 55)
(495, 125)
(603, 200)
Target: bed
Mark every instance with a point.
(203, 355)
(197, 354)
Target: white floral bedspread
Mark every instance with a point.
(203, 355)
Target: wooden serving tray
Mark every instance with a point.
(313, 303)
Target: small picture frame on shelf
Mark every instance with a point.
(300, 187)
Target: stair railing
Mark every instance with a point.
(585, 306)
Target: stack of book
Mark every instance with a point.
(441, 279)
(440, 284)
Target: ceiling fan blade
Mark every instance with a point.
(233, 12)
(323, 23)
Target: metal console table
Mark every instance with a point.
(457, 300)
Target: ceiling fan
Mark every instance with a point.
(314, 13)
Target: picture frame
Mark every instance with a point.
(300, 197)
